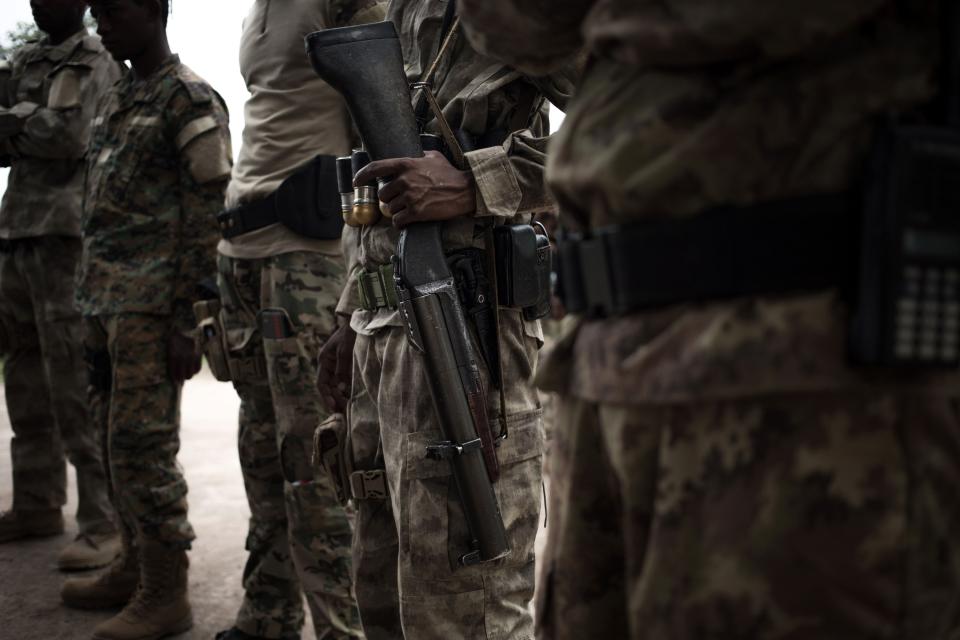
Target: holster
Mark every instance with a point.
(213, 338)
(332, 453)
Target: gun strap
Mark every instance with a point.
(448, 32)
(495, 302)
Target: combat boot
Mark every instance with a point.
(90, 551)
(112, 588)
(30, 523)
(160, 606)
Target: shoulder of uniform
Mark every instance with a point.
(198, 90)
(92, 44)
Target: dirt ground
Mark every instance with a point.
(29, 582)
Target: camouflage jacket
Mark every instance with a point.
(46, 105)
(157, 169)
(485, 99)
(686, 106)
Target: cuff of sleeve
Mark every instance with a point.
(498, 192)
(350, 298)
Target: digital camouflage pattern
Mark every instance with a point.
(157, 168)
(764, 489)
(406, 547)
(45, 381)
(299, 536)
(46, 107)
(140, 421)
(814, 515)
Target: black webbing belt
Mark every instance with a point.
(775, 248)
(248, 217)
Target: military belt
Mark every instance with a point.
(377, 289)
(803, 244)
(368, 485)
(248, 217)
(247, 369)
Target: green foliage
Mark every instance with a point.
(26, 31)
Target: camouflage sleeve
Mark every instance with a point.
(509, 179)
(350, 298)
(61, 127)
(346, 13)
(202, 138)
(535, 36)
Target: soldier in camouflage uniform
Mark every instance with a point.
(279, 291)
(46, 105)
(406, 547)
(721, 471)
(158, 164)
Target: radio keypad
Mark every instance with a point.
(927, 315)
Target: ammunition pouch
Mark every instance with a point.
(213, 338)
(331, 452)
(307, 203)
(524, 265)
(99, 369)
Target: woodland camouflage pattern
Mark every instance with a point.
(45, 118)
(46, 105)
(45, 381)
(158, 161)
(299, 536)
(768, 489)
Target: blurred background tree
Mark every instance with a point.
(25, 32)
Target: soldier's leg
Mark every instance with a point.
(51, 263)
(822, 516)
(144, 425)
(39, 468)
(272, 603)
(438, 598)
(304, 287)
(375, 543)
(582, 583)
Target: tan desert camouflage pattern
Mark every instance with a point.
(157, 168)
(479, 96)
(815, 515)
(299, 536)
(46, 109)
(140, 421)
(406, 547)
(45, 382)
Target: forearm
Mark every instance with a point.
(197, 252)
(31, 130)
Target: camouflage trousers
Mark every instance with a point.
(406, 547)
(138, 410)
(831, 516)
(299, 535)
(45, 381)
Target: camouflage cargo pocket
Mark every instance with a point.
(433, 518)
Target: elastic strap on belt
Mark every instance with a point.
(368, 485)
(377, 289)
(248, 217)
(769, 249)
(247, 368)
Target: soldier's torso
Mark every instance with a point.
(132, 214)
(44, 194)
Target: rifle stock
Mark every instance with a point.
(365, 65)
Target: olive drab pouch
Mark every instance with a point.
(213, 338)
(331, 453)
